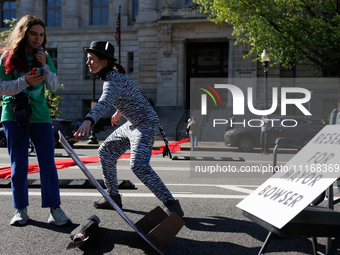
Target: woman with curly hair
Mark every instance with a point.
(33, 122)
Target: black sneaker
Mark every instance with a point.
(104, 204)
(173, 206)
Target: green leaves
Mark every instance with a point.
(53, 101)
(5, 33)
(303, 30)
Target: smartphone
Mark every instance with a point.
(38, 70)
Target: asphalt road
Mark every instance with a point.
(214, 225)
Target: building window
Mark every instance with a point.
(130, 62)
(8, 11)
(135, 10)
(53, 13)
(188, 1)
(100, 12)
(54, 57)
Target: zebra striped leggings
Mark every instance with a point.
(139, 140)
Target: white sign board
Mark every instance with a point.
(296, 184)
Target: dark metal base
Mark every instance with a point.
(92, 140)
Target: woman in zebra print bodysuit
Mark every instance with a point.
(137, 134)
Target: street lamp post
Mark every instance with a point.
(93, 138)
(265, 57)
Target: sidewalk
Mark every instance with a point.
(204, 146)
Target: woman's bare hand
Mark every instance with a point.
(34, 79)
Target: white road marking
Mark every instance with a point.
(186, 195)
(179, 157)
(184, 184)
(235, 188)
(96, 194)
(178, 194)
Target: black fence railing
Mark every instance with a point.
(203, 124)
(181, 124)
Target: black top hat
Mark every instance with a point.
(103, 49)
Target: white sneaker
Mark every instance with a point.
(58, 217)
(20, 217)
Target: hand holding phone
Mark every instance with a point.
(34, 79)
(38, 70)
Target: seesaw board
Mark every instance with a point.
(95, 183)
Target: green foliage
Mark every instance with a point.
(53, 101)
(5, 33)
(303, 30)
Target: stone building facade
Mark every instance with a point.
(163, 45)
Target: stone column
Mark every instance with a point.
(72, 15)
(149, 5)
(124, 8)
(124, 13)
(27, 7)
(148, 11)
(166, 39)
(72, 8)
(181, 81)
(167, 8)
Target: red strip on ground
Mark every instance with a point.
(5, 172)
